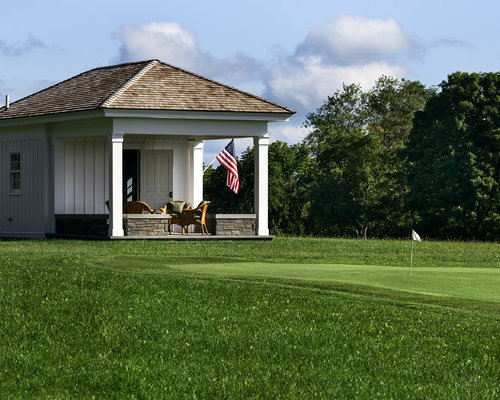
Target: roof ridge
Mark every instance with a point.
(126, 85)
(3, 108)
(226, 86)
(122, 64)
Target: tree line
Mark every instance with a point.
(378, 163)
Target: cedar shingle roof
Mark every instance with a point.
(145, 85)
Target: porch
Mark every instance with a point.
(90, 172)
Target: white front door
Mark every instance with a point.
(156, 177)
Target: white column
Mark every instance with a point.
(115, 185)
(261, 145)
(196, 173)
(179, 171)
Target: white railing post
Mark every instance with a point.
(261, 145)
(115, 185)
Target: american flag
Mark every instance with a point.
(228, 161)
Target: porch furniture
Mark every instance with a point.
(174, 207)
(134, 207)
(191, 216)
(137, 207)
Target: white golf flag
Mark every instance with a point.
(414, 236)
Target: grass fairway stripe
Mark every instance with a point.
(468, 283)
(477, 284)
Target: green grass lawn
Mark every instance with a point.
(292, 318)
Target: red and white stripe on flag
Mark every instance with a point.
(227, 159)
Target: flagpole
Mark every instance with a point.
(209, 165)
(411, 256)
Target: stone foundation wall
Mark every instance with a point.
(96, 225)
(145, 225)
(231, 224)
(82, 224)
(217, 224)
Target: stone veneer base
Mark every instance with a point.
(231, 224)
(145, 225)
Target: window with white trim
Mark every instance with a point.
(15, 173)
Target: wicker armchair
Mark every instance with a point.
(137, 207)
(134, 207)
(175, 209)
(191, 216)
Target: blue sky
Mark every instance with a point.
(291, 52)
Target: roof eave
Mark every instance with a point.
(154, 114)
(190, 114)
(56, 117)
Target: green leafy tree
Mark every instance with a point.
(393, 103)
(342, 149)
(356, 141)
(289, 181)
(453, 159)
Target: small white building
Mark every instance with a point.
(132, 131)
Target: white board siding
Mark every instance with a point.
(81, 176)
(80, 169)
(69, 177)
(89, 187)
(23, 214)
(101, 184)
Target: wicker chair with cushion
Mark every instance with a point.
(137, 207)
(175, 209)
(192, 216)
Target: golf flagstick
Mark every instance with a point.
(414, 236)
(411, 256)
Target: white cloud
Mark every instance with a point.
(351, 49)
(308, 82)
(167, 41)
(288, 132)
(353, 39)
(171, 43)
(19, 49)
(450, 42)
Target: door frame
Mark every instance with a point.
(131, 156)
